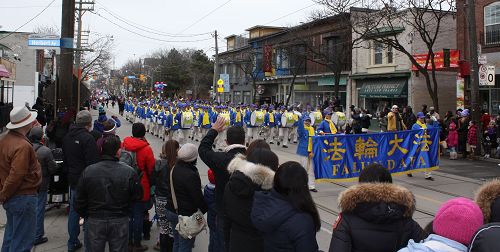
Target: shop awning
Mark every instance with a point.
(384, 88)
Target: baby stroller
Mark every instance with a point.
(58, 187)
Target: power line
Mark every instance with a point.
(27, 6)
(289, 14)
(208, 14)
(145, 36)
(148, 29)
(27, 22)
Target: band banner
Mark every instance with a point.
(342, 157)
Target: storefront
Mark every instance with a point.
(376, 94)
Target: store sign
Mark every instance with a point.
(330, 81)
(439, 60)
(268, 58)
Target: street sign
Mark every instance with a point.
(482, 60)
(131, 76)
(220, 82)
(225, 82)
(44, 42)
(490, 75)
(486, 75)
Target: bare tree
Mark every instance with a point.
(383, 22)
(247, 62)
(99, 57)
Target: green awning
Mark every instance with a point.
(383, 88)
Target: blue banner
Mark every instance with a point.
(342, 157)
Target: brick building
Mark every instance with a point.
(488, 35)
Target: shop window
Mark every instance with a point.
(378, 53)
(492, 24)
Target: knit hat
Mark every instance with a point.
(188, 153)
(83, 117)
(211, 177)
(109, 126)
(458, 219)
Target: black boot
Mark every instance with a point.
(146, 229)
(166, 243)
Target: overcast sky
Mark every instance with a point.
(163, 17)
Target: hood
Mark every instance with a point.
(488, 199)
(270, 210)
(452, 126)
(435, 243)
(76, 130)
(259, 174)
(134, 144)
(235, 147)
(378, 202)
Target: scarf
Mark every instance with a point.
(422, 125)
(310, 131)
(238, 116)
(205, 120)
(333, 129)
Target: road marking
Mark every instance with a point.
(429, 199)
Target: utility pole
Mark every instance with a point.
(65, 81)
(78, 56)
(474, 78)
(216, 67)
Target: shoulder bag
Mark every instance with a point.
(188, 226)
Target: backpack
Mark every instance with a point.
(130, 158)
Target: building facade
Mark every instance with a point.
(487, 15)
(382, 76)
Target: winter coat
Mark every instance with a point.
(486, 238)
(434, 243)
(107, 189)
(284, 228)
(218, 162)
(80, 150)
(246, 178)
(472, 135)
(47, 163)
(145, 161)
(488, 199)
(375, 213)
(161, 179)
(187, 186)
(452, 139)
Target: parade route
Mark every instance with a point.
(454, 178)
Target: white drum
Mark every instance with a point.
(187, 120)
(227, 118)
(257, 118)
(287, 120)
(313, 118)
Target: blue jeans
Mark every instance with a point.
(136, 222)
(180, 244)
(19, 233)
(73, 221)
(40, 214)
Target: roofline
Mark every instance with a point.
(264, 26)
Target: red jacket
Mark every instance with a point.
(145, 160)
(472, 135)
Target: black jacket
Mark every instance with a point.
(47, 163)
(486, 238)
(284, 227)
(378, 214)
(246, 178)
(218, 162)
(106, 189)
(80, 151)
(187, 186)
(161, 179)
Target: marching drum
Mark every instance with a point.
(287, 120)
(316, 118)
(186, 120)
(257, 118)
(339, 119)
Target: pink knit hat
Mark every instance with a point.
(458, 219)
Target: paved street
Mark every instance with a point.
(455, 178)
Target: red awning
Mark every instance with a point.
(4, 72)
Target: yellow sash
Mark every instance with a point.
(310, 131)
(271, 117)
(238, 116)
(206, 119)
(333, 129)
